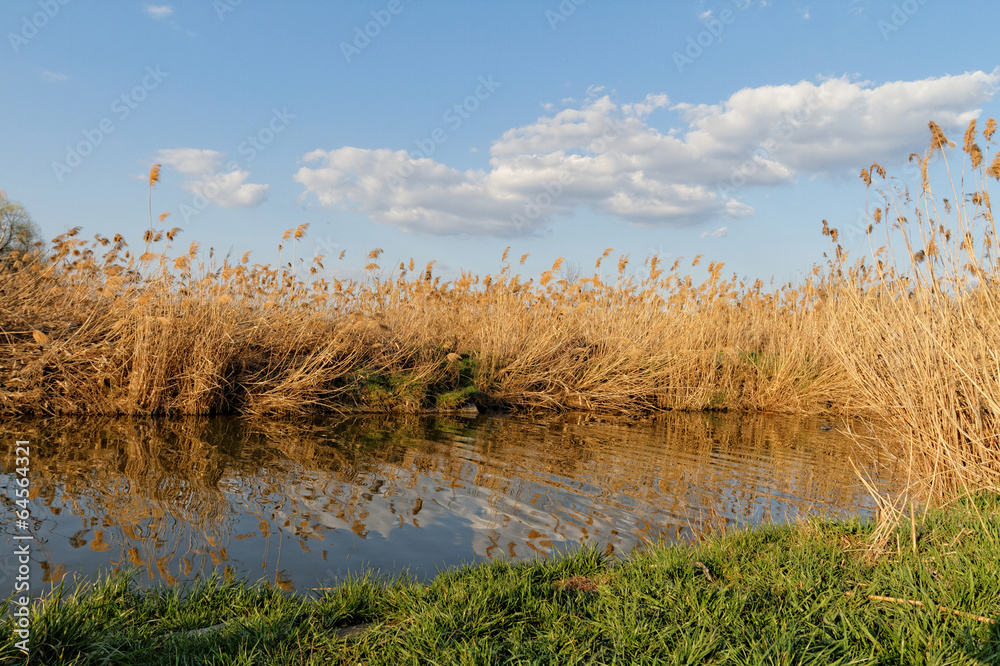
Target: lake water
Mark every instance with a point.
(306, 504)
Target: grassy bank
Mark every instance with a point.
(907, 336)
(806, 593)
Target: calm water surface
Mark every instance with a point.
(307, 504)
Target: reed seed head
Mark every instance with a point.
(938, 139)
(154, 175)
(971, 147)
(994, 168)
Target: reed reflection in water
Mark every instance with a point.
(309, 503)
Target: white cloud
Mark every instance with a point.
(430, 198)
(721, 232)
(53, 76)
(193, 162)
(202, 167)
(837, 124)
(608, 157)
(159, 11)
(230, 190)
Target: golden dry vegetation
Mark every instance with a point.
(908, 336)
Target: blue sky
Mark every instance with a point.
(450, 130)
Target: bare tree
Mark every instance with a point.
(572, 272)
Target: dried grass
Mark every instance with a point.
(89, 327)
(166, 333)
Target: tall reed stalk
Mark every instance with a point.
(919, 337)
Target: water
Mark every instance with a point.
(308, 504)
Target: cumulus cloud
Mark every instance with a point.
(837, 124)
(193, 162)
(607, 156)
(54, 76)
(202, 167)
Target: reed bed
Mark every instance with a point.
(95, 329)
(907, 336)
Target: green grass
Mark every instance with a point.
(774, 595)
(453, 387)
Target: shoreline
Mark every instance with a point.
(818, 591)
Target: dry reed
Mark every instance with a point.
(908, 337)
